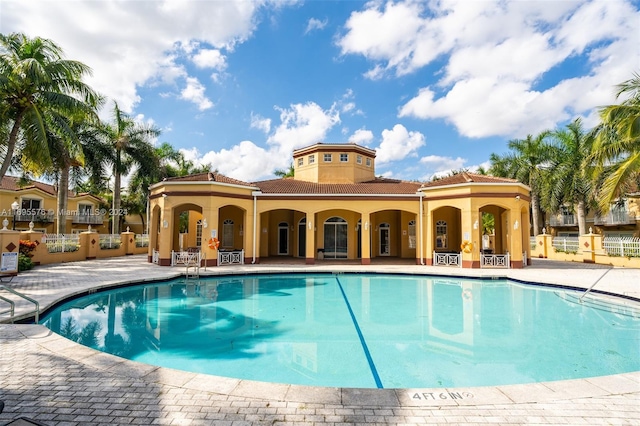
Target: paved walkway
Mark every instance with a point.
(55, 381)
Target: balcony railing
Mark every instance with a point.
(563, 220)
(92, 219)
(38, 217)
(615, 217)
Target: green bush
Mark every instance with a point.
(24, 263)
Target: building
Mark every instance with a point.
(36, 202)
(622, 220)
(336, 208)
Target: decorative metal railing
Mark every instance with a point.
(494, 260)
(621, 246)
(447, 259)
(231, 257)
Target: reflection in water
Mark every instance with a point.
(419, 331)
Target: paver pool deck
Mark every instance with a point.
(55, 381)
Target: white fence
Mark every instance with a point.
(110, 241)
(142, 240)
(447, 259)
(61, 243)
(625, 247)
(186, 257)
(494, 261)
(566, 244)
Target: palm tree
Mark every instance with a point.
(570, 182)
(617, 147)
(130, 144)
(37, 86)
(290, 172)
(525, 163)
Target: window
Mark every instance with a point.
(30, 204)
(85, 209)
(368, 162)
(441, 234)
(344, 158)
(300, 162)
(412, 234)
(568, 218)
(312, 159)
(359, 159)
(227, 234)
(199, 233)
(327, 158)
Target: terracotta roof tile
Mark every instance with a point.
(207, 177)
(376, 186)
(11, 183)
(466, 177)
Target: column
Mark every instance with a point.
(365, 239)
(310, 240)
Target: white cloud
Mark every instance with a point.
(361, 137)
(194, 92)
(210, 58)
(499, 58)
(398, 143)
(260, 123)
(438, 166)
(246, 161)
(302, 125)
(315, 24)
(128, 47)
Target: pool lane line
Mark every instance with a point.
(367, 354)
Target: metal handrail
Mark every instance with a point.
(27, 298)
(13, 306)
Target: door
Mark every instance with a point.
(335, 238)
(302, 237)
(384, 239)
(283, 239)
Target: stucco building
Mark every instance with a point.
(336, 208)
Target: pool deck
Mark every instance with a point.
(57, 382)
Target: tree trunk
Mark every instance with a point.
(11, 144)
(63, 195)
(535, 217)
(582, 218)
(115, 214)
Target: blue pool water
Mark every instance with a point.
(359, 330)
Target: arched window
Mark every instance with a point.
(441, 235)
(227, 234)
(412, 234)
(199, 233)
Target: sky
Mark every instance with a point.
(432, 86)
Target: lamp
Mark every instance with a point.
(310, 225)
(14, 208)
(515, 225)
(204, 223)
(475, 225)
(366, 226)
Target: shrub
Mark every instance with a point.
(24, 262)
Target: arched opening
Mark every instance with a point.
(335, 238)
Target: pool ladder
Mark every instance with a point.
(12, 310)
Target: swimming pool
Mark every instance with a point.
(359, 330)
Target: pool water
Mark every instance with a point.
(359, 330)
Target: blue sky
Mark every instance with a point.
(431, 85)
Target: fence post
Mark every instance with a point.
(587, 245)
(36, 237)
(544, 243)
(89, 242)
(128, 241)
